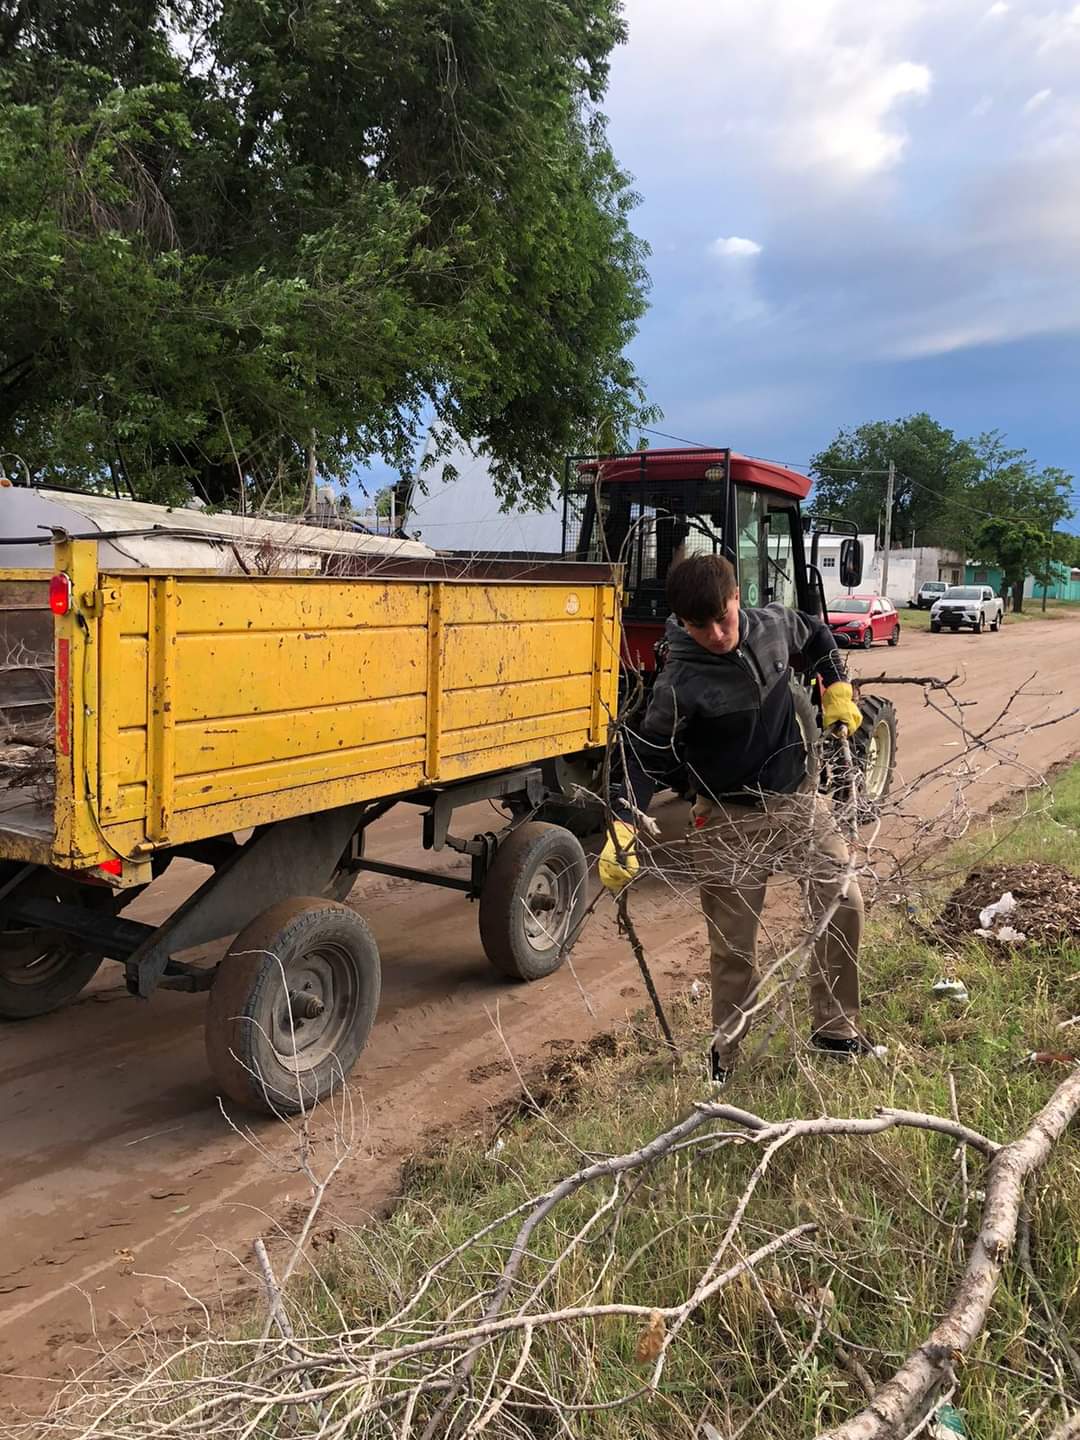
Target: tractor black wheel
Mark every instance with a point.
(292, 1005)
(809, 723)
(873, 753)
(533, 898)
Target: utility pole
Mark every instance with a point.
(888, 529)
(1049, 563)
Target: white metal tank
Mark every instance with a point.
(160, 537)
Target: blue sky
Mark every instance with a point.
(857, 209)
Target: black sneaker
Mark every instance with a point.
(845, 1047)
(719, 1073)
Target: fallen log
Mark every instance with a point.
(904, 1400)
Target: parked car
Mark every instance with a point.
(862, 619)
(974, 605)
(927, 593)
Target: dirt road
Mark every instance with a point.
(122, 1179)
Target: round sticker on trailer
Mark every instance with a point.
(573, 605)
(752, 593)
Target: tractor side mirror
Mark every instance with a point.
(851, 563)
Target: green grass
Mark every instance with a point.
(892, 1234)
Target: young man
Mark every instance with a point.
(722, 712)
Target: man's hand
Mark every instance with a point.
(614, 874)
(839, 708)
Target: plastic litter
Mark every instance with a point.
(951, 990)
(1005, 906)
(697, 990)
(947, 1424)
(1008, 933)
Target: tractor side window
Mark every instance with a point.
(750, 547)
(781, 559)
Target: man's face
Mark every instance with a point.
(719, 636)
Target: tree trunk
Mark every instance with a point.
(1018, 596)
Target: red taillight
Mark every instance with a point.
(111, 867)
(60, 594)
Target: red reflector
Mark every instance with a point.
(60, 594)
(111, 867)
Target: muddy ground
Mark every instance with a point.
(124, 1185)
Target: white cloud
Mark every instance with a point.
(734, 247)
(819, 87)
(875, 151)
(852, 134)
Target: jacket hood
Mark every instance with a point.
(683, 647)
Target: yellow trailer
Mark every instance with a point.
(260, 724)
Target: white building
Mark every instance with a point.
(466, 514)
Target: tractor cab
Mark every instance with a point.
(650, 509)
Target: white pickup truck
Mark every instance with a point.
(974, 605)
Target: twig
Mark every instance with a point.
(626, 925)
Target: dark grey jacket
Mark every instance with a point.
(728, 721)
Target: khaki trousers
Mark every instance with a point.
(735, 849)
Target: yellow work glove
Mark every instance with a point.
(613, 873)
(839, 708)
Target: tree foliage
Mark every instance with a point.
(933, 468)
(227, 224)
(978, 496)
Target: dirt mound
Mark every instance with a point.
(1047, 902)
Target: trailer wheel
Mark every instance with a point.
(35, 980)
(292, 1005)
(41, 969)
(533, 897)
(565, 805)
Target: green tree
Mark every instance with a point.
(225, 225)
(1019, 547)
(1018, 508)
(933, 470)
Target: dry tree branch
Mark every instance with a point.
(901, 1401)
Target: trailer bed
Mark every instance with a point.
(191, 705)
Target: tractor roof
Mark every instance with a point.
(691, 464)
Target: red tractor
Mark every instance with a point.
(650, 508)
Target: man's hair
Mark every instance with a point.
(700, 587)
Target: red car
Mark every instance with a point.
(862, 619)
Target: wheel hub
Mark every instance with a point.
(313, 1006)
(547, 907)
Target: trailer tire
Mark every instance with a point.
(537, 862)
(40, 969)
(572, 781)
(263, 1051)
(34, 982)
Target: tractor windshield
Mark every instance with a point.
(650, 526)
